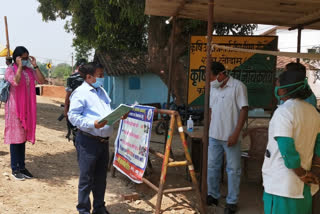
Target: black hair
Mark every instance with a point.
(217, 67)
(89, 68)
(19, 51)
(295, 66)
(80, 62)
(98, 65)
(291, 77)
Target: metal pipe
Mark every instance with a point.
(206, 103)
(299, 43)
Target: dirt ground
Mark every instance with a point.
(52, 160)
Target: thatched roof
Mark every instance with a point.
(122, 64)
(283, 60)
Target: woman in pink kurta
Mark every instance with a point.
(20, 109)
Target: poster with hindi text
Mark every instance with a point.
(132, 143)
(256, 71)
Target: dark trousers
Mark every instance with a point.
(18, 154)
(93, 158)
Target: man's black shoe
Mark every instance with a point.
(212, 201)
(18, 175)
(230, 209)
(26, 173)
(101, 211)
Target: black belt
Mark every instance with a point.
(99, 139)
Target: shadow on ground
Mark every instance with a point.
(51, 120)
(54, 169)
(2, 153)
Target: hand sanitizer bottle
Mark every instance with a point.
(190, 124)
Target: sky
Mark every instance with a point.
(287, 40)
(49, 40)
(44, 40)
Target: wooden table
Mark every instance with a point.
(195, 146)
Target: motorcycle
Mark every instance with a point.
(185, 112)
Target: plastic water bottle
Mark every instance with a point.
(190, 124)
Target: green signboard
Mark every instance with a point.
(256, 71)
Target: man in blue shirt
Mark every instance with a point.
(88, 104)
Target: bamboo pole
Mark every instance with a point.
(190, 165)
(7, 36)
(178, 163)
(158, 154)
(182, 189)
(151, 185)
(165, 164)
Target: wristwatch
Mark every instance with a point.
(35, 67)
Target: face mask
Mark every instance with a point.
(216, 83)
(281, 102)
(25, 62)
(99, 83)
(303, 84)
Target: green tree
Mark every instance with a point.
(120, 26)
(61, 71)
(43, 69)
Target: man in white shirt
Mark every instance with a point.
(229, 111)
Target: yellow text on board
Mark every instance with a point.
(230, 59)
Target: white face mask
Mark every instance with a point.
(216, 84)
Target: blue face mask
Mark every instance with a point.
(25, 62)
(99, 83)
(281, 102)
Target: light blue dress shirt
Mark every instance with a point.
(88, 104)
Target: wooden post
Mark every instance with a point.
(7, 36)
(171, 60)
(206, 103)
(170, 73)
(299, 43)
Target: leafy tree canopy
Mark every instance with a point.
(43, 68)
(62, 71)
(117, 25)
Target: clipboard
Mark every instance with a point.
(116, 114)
